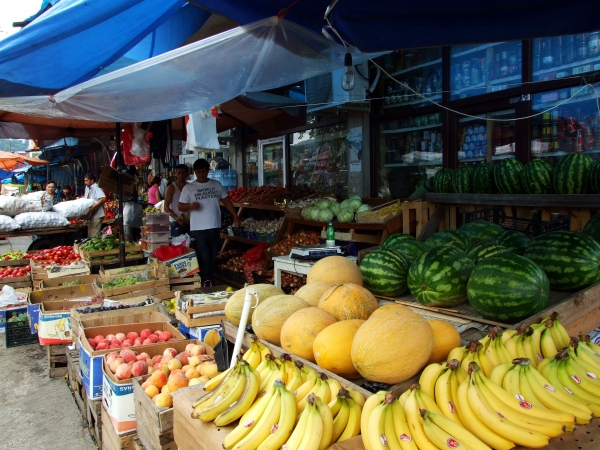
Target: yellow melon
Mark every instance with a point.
(235, 304)
(335, 270)
(333, 345)
(311, 293)
(300, 330)
(392, 346)
(349, 301)
(445, 339)
(269, 316)
(391, 306)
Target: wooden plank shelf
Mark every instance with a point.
(551, 200)
(243, 240)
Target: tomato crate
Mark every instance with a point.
(530, 227)
(18, 333)
(16, 282)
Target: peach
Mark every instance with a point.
(139, 368)
(170, 351)
(110, 337)
(116, 341)
(121, 336)
(132, 335)
(153, 338)
(194, 361)
(142, 356)
(165, 335)
(188, 348)
(123, 372)
(140, 341)
(184, 369)
(165, 369)
(102, 346)
(151, 391)
(166, 359)
(148, 342)
(177, 381)
(158, 379)
(157, 332)
(113, 346)
(203, 379)
(110, 357)
(128, 355)
(205, 358)
(198, 350)
(178, 372)
(210, 370)
(104, 341)
(172, 340)
(146, 383)
(131, 363)
(145, 333)
(195, 381)
(98, 338)
(157, 359)
(192, 373)
(150, 369)
(184, 359)
(160, 341)
(149, 362)
(164, 390)
(174, 364)
(115, 363)
(127, 343)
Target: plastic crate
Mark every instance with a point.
(530, 227)
(157, 219)
(267, 237)
(249, 235)
(19, 333)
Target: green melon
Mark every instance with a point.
(483, 179)
(508, 176)
(595, 178)
(384, 272)
(442, 181)
(395, 238)
(462, 183)
(572, 174)
(485, 250)
(454, 238)
(592, 228)
(537, 177)
(480, 230)
(411, 250)
(513, 240)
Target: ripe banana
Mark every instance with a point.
(334, 387)
(336, 403)
(314, 426)
(224, 401)
(575, 385)
(443, 397)
(354, 421)
(211, 397)
(281, 431)
(393, 442)
(499, 373)
(357, 396)
(439, 437)
(457, 353)
(547, 343)
(214, 382)
(375, 431)
(263, 349)
(243, 403)
(295, 380)
(562, 332)
(295, 439)
(288, 366)
(341, 419)
(415, 422)
(508, 334)
(372, 402)
(401, 430)
(427, 402)
(429, 376)
(327, 418)
(304, 391)
(459, 432)
(252, 355)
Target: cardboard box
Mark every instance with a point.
(54, 322)
(181, 266)
(117, 395)
(59, 282)
(109, 180)
(7, 313)
(90, 361)
(200, 333)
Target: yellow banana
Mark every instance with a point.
(483, 361)
(429, 376)
(459, 432)
(443, 397)
(295, 381)
(295, 439)
(334, 387)
(502, 352)
(528, 347)
(262, 348)
(372, 402)
(457, 353)
(314, 427)
(243, 403)
(264, 426)
(454, 384)
(281, 432)
(426, 401)
(214, 382)
(536, 343)
(252, 355)
(323, 391)
(401, 430)
(547, 343)
(592, 371)
(402, 398)
(439, 437)
(589, 380)
(490, 348)
(307, 388)
(357, 396)
(288, 365)
(354, 421)
(225, 386)
(510, 383)
(341, 419)
(499, 373)
(557, 337)
(388, 429)
(569, 382)
(587, 354)
(508, 334)
(336, 403)
(307, 372)
(375, 431)
(327, 418)
(511, 344)
(543, 363)
(415, 422)
(224, 402)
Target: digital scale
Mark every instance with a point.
(315, 252)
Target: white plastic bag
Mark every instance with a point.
(41, 220)
(74, 208)
(139, 146)
(10, 297)
(8, 224)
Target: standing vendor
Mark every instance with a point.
(179, 225)
(50, 198)
(93, 191)
(201, 198)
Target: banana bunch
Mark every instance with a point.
(257, 352)
(441, 384)
(231, 398)
(320, 385)
(314, 430)
(269, 425)
(474, 351)
(346, 416)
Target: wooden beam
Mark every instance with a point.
(554, 200)
(432, 225)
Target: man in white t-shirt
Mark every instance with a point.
(201, 199)
(93, 191)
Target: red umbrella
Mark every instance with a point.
(9, 161)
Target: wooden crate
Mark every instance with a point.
(187, 284)
(93, 417)
(111, 440)
(395, 207)
(57, 360)
(154, 425)
(158, 282)
(74, 381)
(107, 273)
(151, 292)
(59, 282)
(17, 282)
(88, 256)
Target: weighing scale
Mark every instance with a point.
(315, 252)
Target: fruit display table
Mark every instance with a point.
(295, 266)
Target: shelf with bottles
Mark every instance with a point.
(436, 97)
(562, 56)
(547, 100)
(415, 164)
(412, 144)
(477, 135)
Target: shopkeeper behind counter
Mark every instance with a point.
(201, 199)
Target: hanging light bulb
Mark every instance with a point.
(348, 75)
(113, 145)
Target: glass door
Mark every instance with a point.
(252, 165)
(272, 162)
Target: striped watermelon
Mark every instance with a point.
(592, 228)
(439, 277)
(396, 238)
(442, 181)
(483, 179)
(485, 250)
(515, 241)
(462, 182)
(454, 238)
(571, 260)
(480, 230)
(572, 174)
(384, 272)
(537, 177)
(595, 178)
(411, 250)
(507, 175)
(508, 288)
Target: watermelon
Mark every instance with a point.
(411, 250)
(483, 179)
(592, 228)
(595, 178)
(515, 241)
(462, 182)
(485, 250)
(439, 277)
(394, 238)
(481, 231)
(384, 272)
(572, 174)
(442, 181)
(537, 177)
(508, 288)
(571, 260)
(454, 238)
(507, 175)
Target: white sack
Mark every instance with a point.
(8, 224)
(11, 206)
(41, 220)
(74, 208)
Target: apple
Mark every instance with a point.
(132, 335)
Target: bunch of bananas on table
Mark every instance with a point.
(279, 402)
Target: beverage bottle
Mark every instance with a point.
(330, 239)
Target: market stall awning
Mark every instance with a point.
(9, 161)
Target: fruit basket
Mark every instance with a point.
(530, 227)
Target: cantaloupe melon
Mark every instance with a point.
(445, 339)
(311, 293)
(335, 270)
(392, 346)
(269, 316)
(349, 301)
(333, 345)
(391, 306)
(300, 330)
(235, 304)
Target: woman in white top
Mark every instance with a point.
(179, 225)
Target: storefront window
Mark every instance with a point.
(319, 159)
(479, 69)
(252, 165)
(420, 70)
(487, 137)
(410, 152)
(565, 56)
(563, 126)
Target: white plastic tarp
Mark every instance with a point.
(264, 55)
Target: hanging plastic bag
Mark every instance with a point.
(255, 259)
(136, 145)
